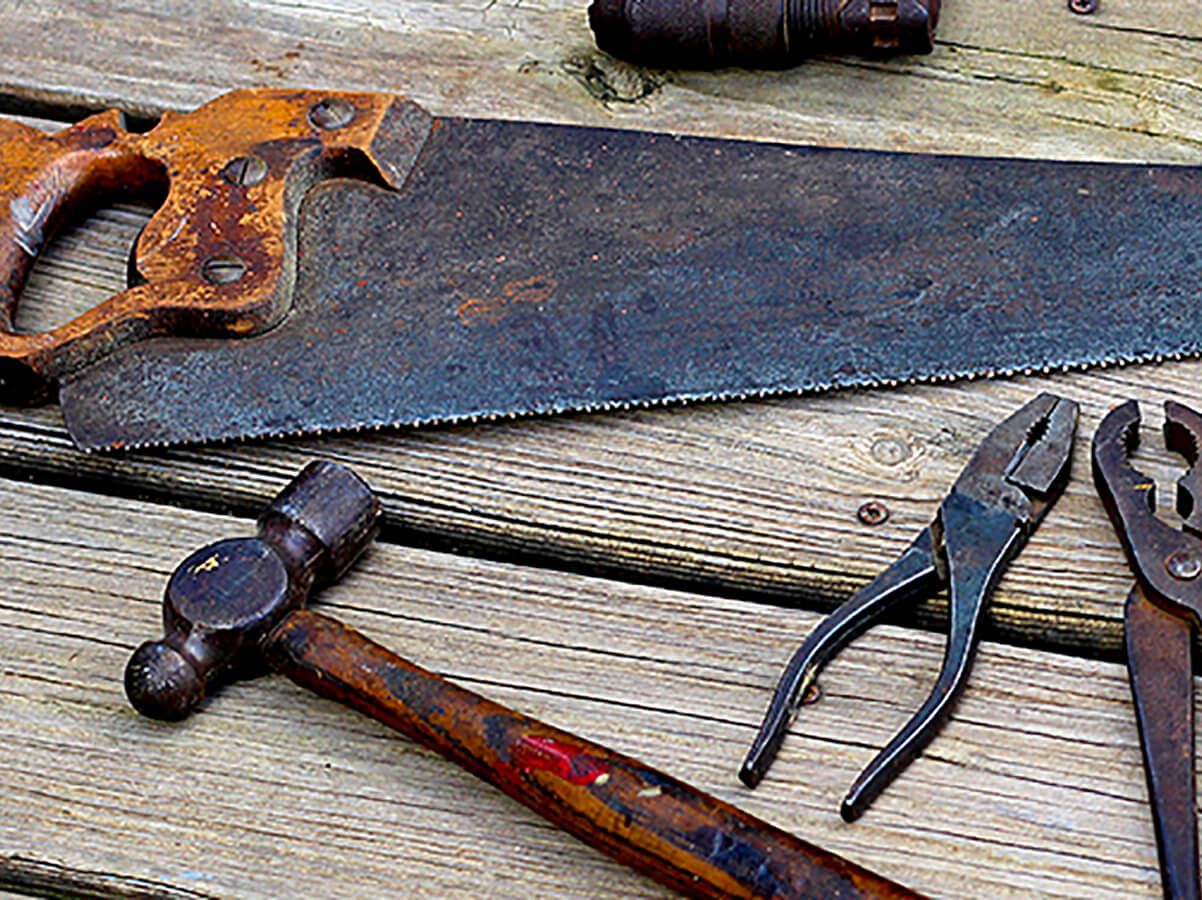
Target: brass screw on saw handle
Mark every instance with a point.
(233, 609)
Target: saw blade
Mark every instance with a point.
(527, 269)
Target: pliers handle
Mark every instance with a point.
(915, 574)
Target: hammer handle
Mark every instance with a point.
(672, 832)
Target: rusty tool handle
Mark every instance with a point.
(1159, 654)
(666, 829)
(759, 34)
(218, 257)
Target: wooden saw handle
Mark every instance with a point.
(676, 834)
(218, 258)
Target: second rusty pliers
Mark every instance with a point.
(1162, 612)
(1016, 474)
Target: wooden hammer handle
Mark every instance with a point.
(666, 829)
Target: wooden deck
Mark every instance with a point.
(637, 577)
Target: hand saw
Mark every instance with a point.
(473, 268)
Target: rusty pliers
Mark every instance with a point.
(1162, 611)
(1016, 474)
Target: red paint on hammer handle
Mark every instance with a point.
(568, 761)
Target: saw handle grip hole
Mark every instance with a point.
(72, 205)
(75, 225)
(89, 260)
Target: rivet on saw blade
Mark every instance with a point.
(1184, 565)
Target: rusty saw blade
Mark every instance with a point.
(526, 268)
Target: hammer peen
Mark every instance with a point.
(234, 608)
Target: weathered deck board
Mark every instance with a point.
(1034, 789)
(1009, 77)
(756, 499)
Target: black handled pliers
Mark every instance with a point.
(1161, 613)
(1016, 474)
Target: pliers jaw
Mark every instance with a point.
(1167, 561)
(1023, 464)
(1015, 475)
(1183, 435)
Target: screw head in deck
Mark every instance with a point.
(874, 512)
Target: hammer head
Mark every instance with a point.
(225, 598)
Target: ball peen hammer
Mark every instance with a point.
(235, 608)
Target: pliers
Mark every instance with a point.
(1014, 477)
(1162, 611)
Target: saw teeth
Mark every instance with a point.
(862, 383)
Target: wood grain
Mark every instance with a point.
(1008, 77)
(1034, 789)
